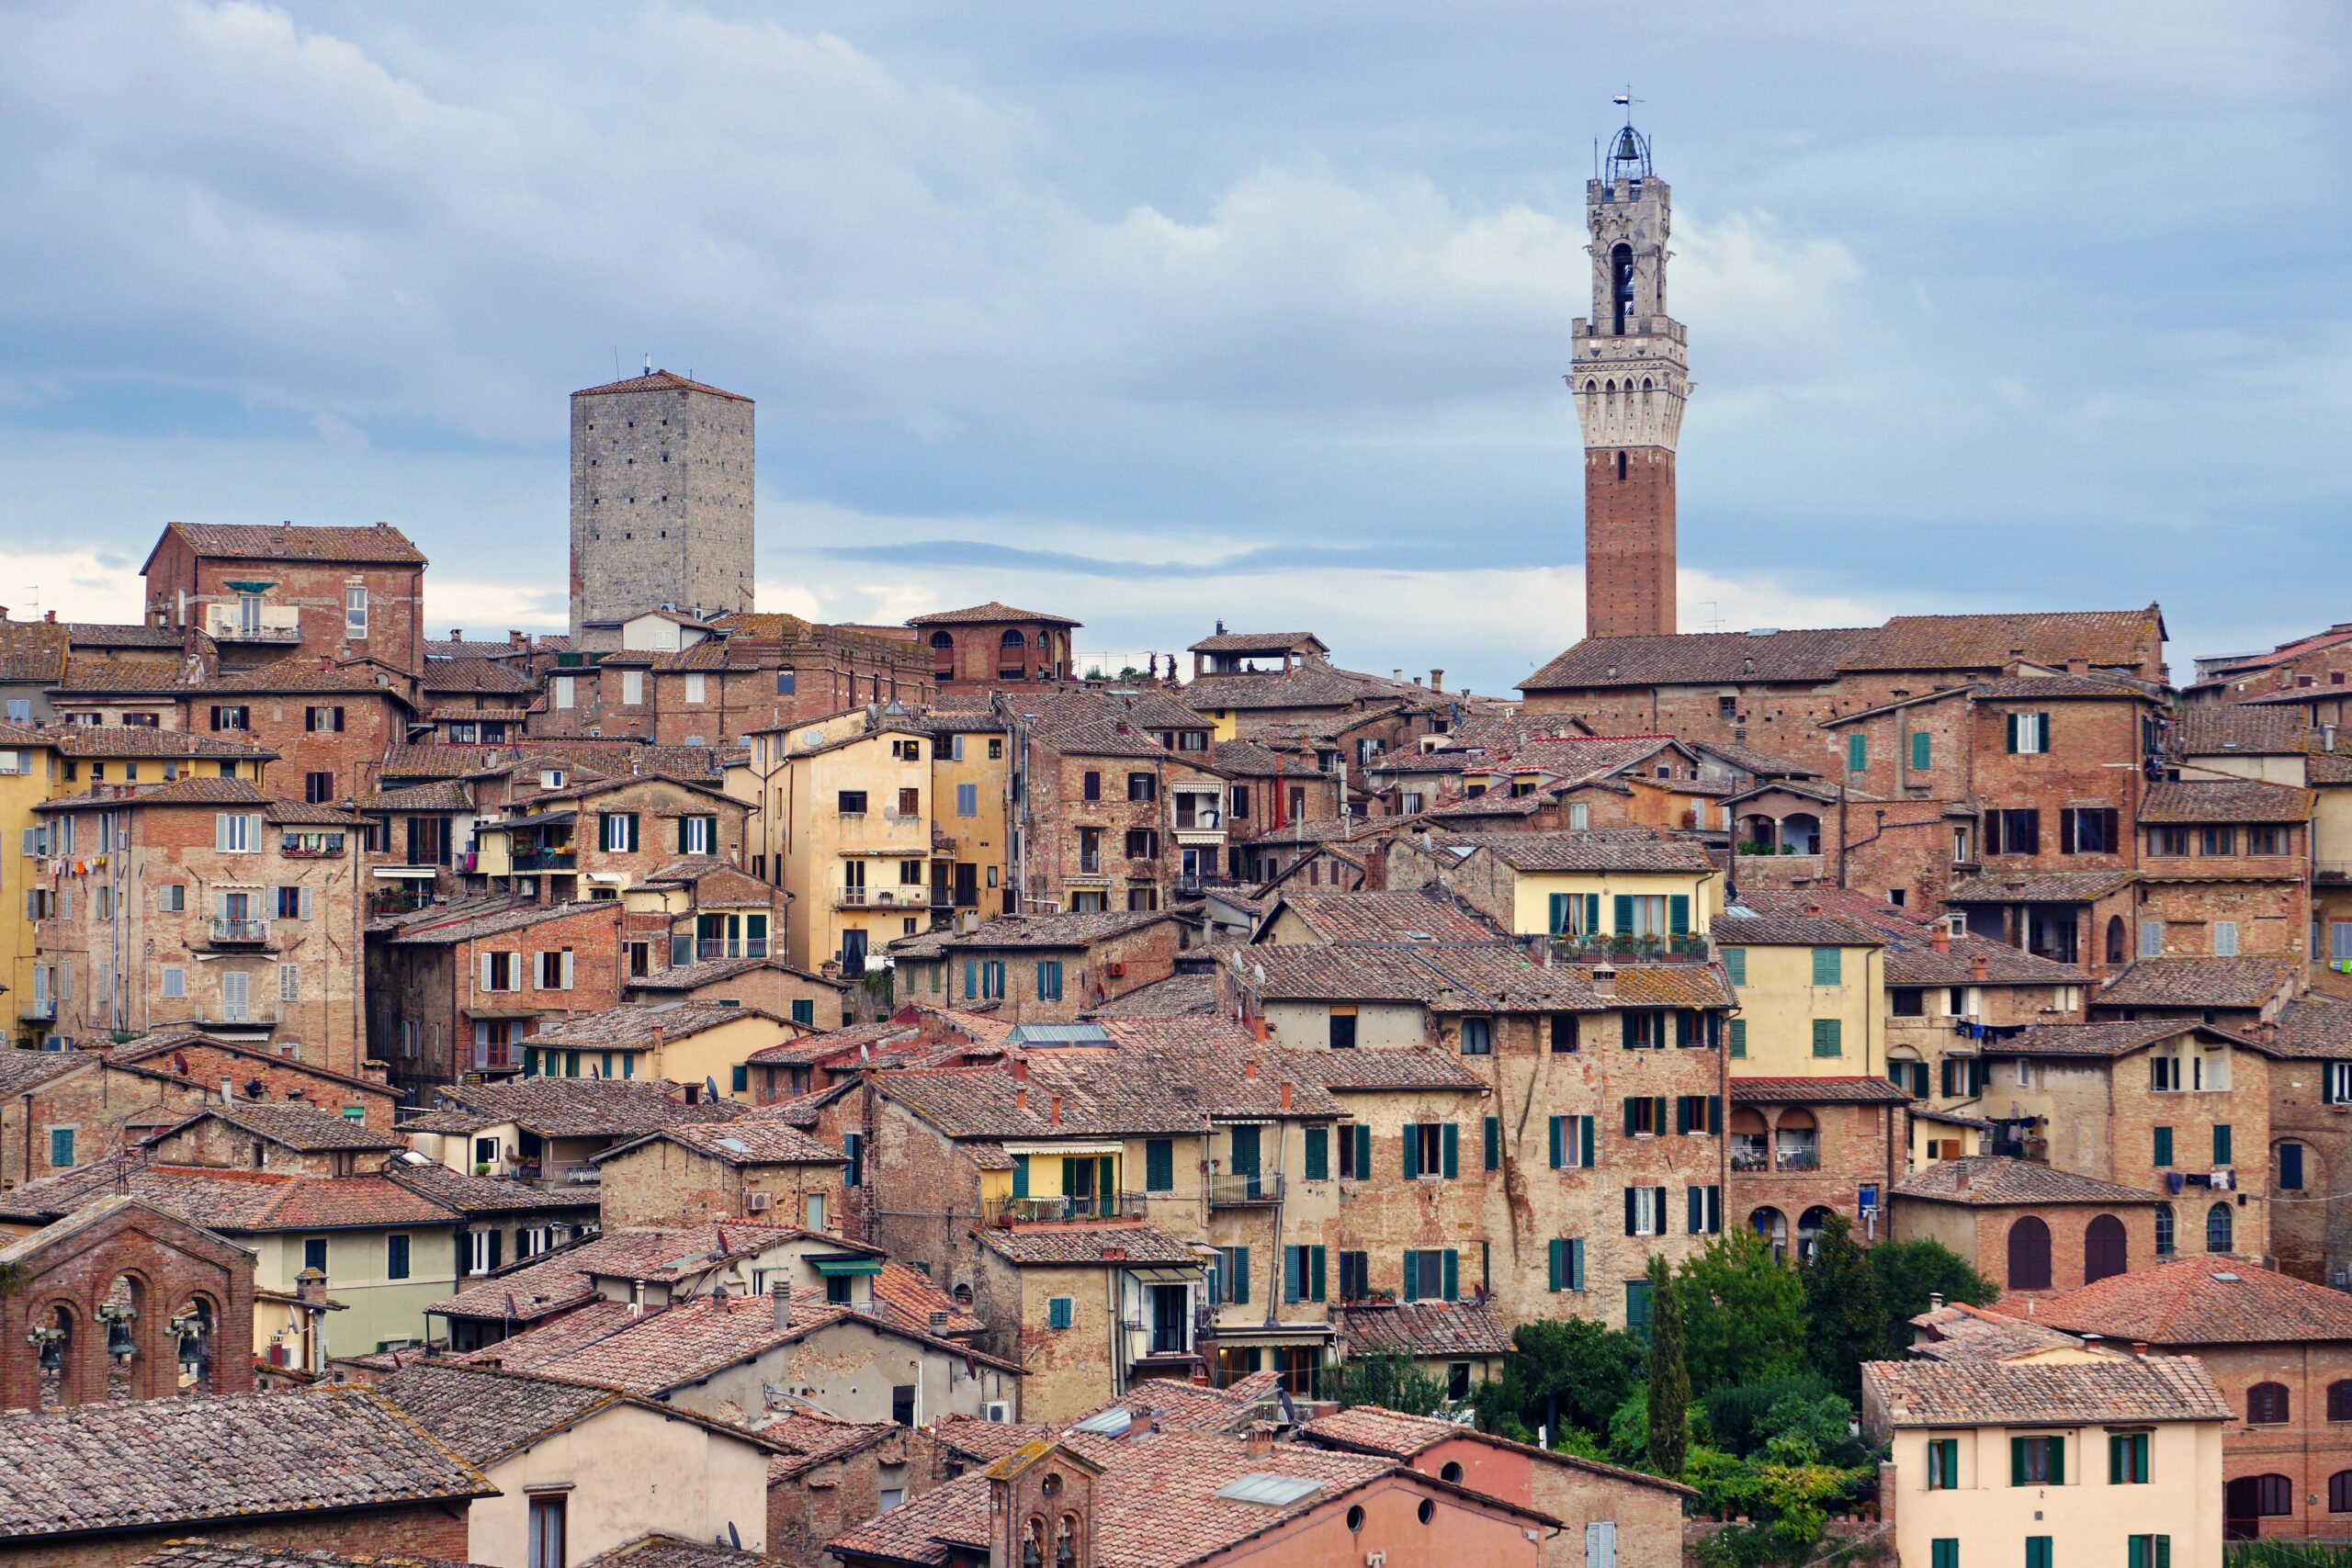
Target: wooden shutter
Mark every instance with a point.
(1241, 1276)
(2057, 1460)
(1021, 1175)
(1364, 1151)
(1453, 1275)
(1294, 1272)
(1592, 914)
(2016, 1445)
(1412, 1150)
(2012, 731)
(1559, 1146)
(1450, 1143)
(1492, 1131)
(1693, 1211)
(1559, 912)
(1412, 1291)
(1557, 1252)
(2222, 1143)
(1677, 914)
(1735, 965)
(1631, 1204)
(1315, 1275)
(1576, 1263)
(1858, 754)
(1588, 1131)
(1318, 1154)
(1160, 1165)
(1624, 912)
(1920, 745)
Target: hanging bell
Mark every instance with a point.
(53, 1355)
(119, 1343)
(192, 1353)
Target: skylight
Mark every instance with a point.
(1274, 1491)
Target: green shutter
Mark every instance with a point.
(1559, 915)
(2163, 1551)
(1453, 1275)
(1557, 1252)
(1587, 1132)
(2057, 1460)
(1106, 1186)
(1315, 1274)
(1592, 914)
(1632, 1117)
(740, 1078)
(1364, 1151)
(1160, 1165)
(1735, 965)
(2017, 1462)
(1412, 1291)
(2222, 1143)
(1920, 743)
(2164, 1145)
(1293, 1271)
(1492, 1129)
(1826, 967)
(1241, 1276)
(1945, 1552)
(1677, 914)
(2117, 1449)
(2037, 1552)
(1828, 1037)
(1739, 1037)
(1576, 1263)
(1624, 912)
(1858, 753)
(1057, 1311)
(1694, 1212)
(2012, 728)
(1318, 1154)
(1451, 1140)
(1681, 1027)
(1412, 1150)
(1559, 1146)
(1021, 1175)
(971, 980)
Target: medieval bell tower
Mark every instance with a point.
(1630, 378)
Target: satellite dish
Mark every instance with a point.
(710, 1086)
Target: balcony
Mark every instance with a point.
(1090, 864)
(1798, 1153)
(1749, 1155)
(1228, 1191)
(544, 860)
(236, 1015)
(272, 627)
(237, 930)
(2333, 870)
(1636, 948)
(1195, 885)
(731, 947)
(38, 1009)
(1050, 1210)
(850, 897)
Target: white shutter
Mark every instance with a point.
(567, 969)
(253, 832)
(1601, 1544)
(289, 982)
(221, 831)
(65, 903)
(485, 972)
(29, 848)
(306, 903)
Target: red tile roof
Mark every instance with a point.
(1369, 1428)
(659, 381)
(988, 613)
(2202, 1301)
(381, 543)
(1976, 1394)
(1994, 1180)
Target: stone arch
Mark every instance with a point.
(1772, 1227)
(1809, 1225)
(2119, 949)
(58, 1361)
(2221, 1228)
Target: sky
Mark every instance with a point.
(1157, 315)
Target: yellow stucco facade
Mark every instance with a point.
(1807, 1011)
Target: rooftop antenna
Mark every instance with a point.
(617, 361)
(648, 362)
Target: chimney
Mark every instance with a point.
(1285, 1094)
(50, 618)
(1021, 1069)
(1115, 1253)
(516, 639)
(1964, 1178)
(1021, 1098)
(1054, 1111)
(2078, 667)
(1437, 680)
(310, 1287)
(1261, 1439)
(1249, 1069)
(1940, 936)
(1980, 968)
(1220, 629)
(1812, 908)
(2140, 1347)
(456, 634)
(228, 1092)
(1935, 1301)
(780, 1298)
(938, 1320)
(1604, 979)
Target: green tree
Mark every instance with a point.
(1743, 1314)
(1669, 1382)
(1910, 1273)
(1845, 1325)
(1562, 1373)
(1394, 1381)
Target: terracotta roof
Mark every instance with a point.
(1388, 1067)
(1848, 1090)
(2225, 800)
(1759, 764)
(2314, 1026)
(229, 1200)
(1959, 1332)
(238, 1554)
(659, 381)
(444, 925)
(190, 791)
(1310, 685)
(632, 1026)
(474, 675)
(1701, 659)
(2250, 982)
(2118, 1037)
(1426, 915)
(1101, 1243)
(1140, 1089)
(2060, 689)
(23, 1070)
(471, 1194)
(1424, 1328)
(746, 1141)
(1606, 850)
(676, 1552)
(1995, 1180)
(2111, 637)
(445, 794)
(987, 614)
(160, 1462)
(142, 742)
(304, 1128)
(2233, 728)
(2211, 1299)
(484, 1415)
(1449, 979)
(1178, 996)
(1912, 956)
(271, 541)
(292, 676)
(103, 676)
(1369, 1428)
(1739, 929)
(571, 1107)
(2035, 886)
(1254, 642)
(1980, 1393)
(1055, 930)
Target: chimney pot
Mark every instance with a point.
(1021, 1069)
(1935, 1301)
(1604, 979)
(1249, 1069)
(50, 617)
(780, 1298)
(1285, 1094)
(1979, 966)
(2139, 1346)
(1940, 937)
(1054, 1111)
(1437, 680)
(1021, 1098)
(1261, 1439)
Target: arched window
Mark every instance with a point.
(1450, 1471)
(1774, 1226)
(1621, 465)
(1033, 1545)
(1620, 275)
(1646, 384)
(2339, 1492)
(1012, 638)
(1066, 1542)
(2164, 1246)
(2339, 1400)
(2105, 1250)
(2219, 1224)
(2266, 1405)
(1610, 386)
(2117, 952)
(2030, 1255)
(1809, 1225)
(1590, 385)
(942, 640)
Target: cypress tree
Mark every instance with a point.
(1669, 1390)
(1844, 1324)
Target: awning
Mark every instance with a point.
(1273, 1333)
(250, 586)
(403, 872)
(830, 1267)
(1063, 1148)
(1167, 1274)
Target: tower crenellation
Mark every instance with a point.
(1630, 379)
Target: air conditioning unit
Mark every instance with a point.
(1115, 969)
(997, 1410)
(760, 1200)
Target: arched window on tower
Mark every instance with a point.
(1620, 275)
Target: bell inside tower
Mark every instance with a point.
(1620, 274)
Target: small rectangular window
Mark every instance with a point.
(355, 610)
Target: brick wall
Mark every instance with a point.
(664, 1183)
(1857, 1145)
(208, 1063)
(808, 1509)
(1140, 957)
(661, 504)
(416, 1530)
(395, 631)
(1629, 542)
(1065, 1373)
(106, 1107)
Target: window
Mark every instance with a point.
(617, 831)
(175, 981)
(1922, 750)
(1563, 1033)
(1637, 1307)
(1143, 786)
(2037, 1552)
(2164, 1242)
(1232, 1281)
(849, 803)
(1703, 1210)
(547, 1532)
(2267, 840)
(555, 970)
(2223, 1141)
(328, 720)
(698, 835)
(355, 610)
(1566, 1264)
(1645, 1115)
(1644, 1031)
(1355, 1153)
(1573, 1146)
(1143, 843)
(2029, 1253)
(2339, 1400)
(314, 1253)
(1049, 980)
(1059, 1311)
(2339, 1492)
(1645, 1210)
(2219, 1224)
(1431, 1148)
(2266, 1405)
(290, 903)
(1858, 752)
(1343, 1028)
(236, 832)
(2028, 733)
(1477, 1036)
(1302, 1279)
(1090, 785)
(396, 1258)
(1698, 1113)
(2013, 832)
(61, 1147)
(1739, 1037)
(983, 978)
(289, 982)
(2086, 831)
(1943, 1464)
(2290, 1168)
(2225, 939)
(2038, 1461)
(1431, 1275)
(1944, 1552)
(2127, 1458)
(1355, 1272)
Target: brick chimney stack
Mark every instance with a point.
(1940, 936)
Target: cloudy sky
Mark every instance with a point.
(1153, 315)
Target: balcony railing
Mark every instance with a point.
(1750, 1160)
(242, 1015)
(39, 1009)
(1228, 1191)
(546, 860)
(1190, 884)
(2333, 870)
(731, 947)
(234, 631)
(854, 896)
(1639, 949)
(1049, 1210)
(1090, 864)
(1798, 1157)
(237, 929)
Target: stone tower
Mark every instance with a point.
(1630, 379)
(661, 499)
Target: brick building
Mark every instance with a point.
(457, 988)
(690, 1174)
(1048, 968)
(593, 837)
(2280, 1352)
(329, 725)
(65, 1107)
(1804, 1148)
(661, 500)
(2311, 1082)
(994, 647)
(261, 591)
(2315, 664)
(2225, 868)
(204, 902)
(2030, 1229)
(1101, 780)
(832, 1476)
(258, 1074)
